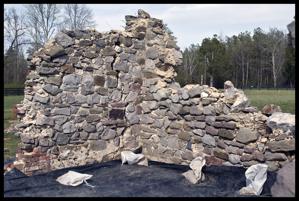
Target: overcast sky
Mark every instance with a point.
(191, 23)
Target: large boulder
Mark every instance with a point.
(284, 185)
(283, 121)
(235, 97)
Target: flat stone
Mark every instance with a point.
(108, 51)
(70, 82)
(41, 99)
(89, 128)
(234, 158)
(46, 71)
(282, 145)
(52, 89)
(93, 136)
(68, 127)
(211, 130)
(269, 156)
(62, 139)
(108, 134)
(227, 134)
(111, 82)
(63, 39)
(284, 186)
(209, 140)
(55, 51)
(284, 121)
(246, 135)
(220, 153)
(184, 136)
(97, 145)
(195, 91)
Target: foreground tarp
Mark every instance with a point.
(112, 179)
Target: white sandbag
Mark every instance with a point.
(72, 178)
(195, 174)
(256, 176)
(196, 165)
(130, 157)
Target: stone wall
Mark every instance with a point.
(91, 95)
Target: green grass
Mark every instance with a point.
(13, 85)
(10, 140)
(284, 98)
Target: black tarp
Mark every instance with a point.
(112, 179)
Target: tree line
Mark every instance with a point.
(259, 60)
(30, 29)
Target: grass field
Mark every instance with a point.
(10, 140)
(284, 98)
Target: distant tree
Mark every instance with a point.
(14, 31)
(77, 17)
(43, 21)
(276, 44)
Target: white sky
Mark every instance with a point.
(191, 23)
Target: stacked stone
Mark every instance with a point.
(90, 95)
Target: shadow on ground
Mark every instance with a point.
(112, 179)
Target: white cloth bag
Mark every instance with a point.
(256, 176)
(130, 157)
(72, 178)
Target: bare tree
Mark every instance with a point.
(189, 59)
(277, 45)
(15, 37)
(14, 28)
(77, 16)
(42, 20)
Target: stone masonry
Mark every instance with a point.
(91, 95)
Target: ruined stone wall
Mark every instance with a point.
(91, 95)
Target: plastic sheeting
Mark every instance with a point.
(256, 176)
(112, 179)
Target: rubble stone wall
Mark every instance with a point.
(91, 95)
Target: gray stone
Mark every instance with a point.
(43, 120)
(209, 140)
(108, 134)
(93, 118)
(61, 111)
(175, 108)
(282, 145)
(97, 145)
(55, 51)
(84, 42)
(143, 14)
(68, 127)
(41, 99)
(227, 134)
(54, 80)
(196, 110)
(63, 39)
(83, 135)
(269, 109)
(211, 130)
(46, 71)
(93, 136)
(62, 139)
(89, 128)
(52, 89)
(275, 156)
(284, 186)
(121, 66)
(87, 84)
(111, 82)
(220, 153)
(71, 82)
(132, 96)
(246, 135)
(132, 118)
(234, 159)
(108, 51)
(152, 53)
(195, 91)
(284, 121)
